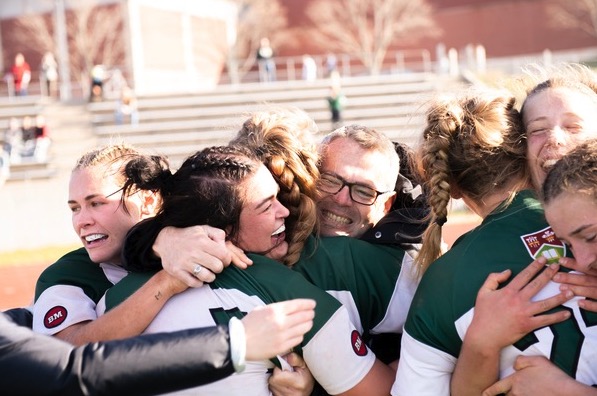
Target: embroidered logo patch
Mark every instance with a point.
(55, 316)
(358, 346)
(544, 243)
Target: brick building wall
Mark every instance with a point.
(503, 27)
(184, 48)
(169, 46)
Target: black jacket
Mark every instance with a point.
(405, 224)
(35, 364)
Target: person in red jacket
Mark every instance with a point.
(21, 74)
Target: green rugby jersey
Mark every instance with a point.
(443, 305)
(67, 291)
(376, 283)
(333, 349)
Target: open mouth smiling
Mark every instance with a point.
(94, 238)
(279, 234)
(332, 217)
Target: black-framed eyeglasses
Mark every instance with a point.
(359, 193)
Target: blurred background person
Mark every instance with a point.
(126, 105)
(11, 140)
(42, 139)
(265, 60)
(309, 68)
(97, 83)
(27, 137)
(49, 70)
(21, 74)
(336, 100)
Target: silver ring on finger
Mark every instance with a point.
(197, 269)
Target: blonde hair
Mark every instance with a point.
(471, 142)
(279, 138)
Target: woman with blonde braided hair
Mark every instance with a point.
(282, 139)
(473, 149)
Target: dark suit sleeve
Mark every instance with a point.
(35, 364)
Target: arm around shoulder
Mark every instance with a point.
(131, 317)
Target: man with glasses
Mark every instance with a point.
(359, 169)
(367, 191)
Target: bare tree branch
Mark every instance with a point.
(369, 28)
(94, 35)
(257, 19)
(577, 14)
(34, 33)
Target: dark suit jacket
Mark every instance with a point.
(35, 364)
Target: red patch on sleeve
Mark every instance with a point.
(55, 316)
(358, 346)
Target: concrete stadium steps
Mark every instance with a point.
(20, 107)
(31, 170)
(283, 91)
(178, 125)
(190, 110)
(397, 116)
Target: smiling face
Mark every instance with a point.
(261, 226)
(573, 217)
(338, 214)
(98, 217)
(556, 120)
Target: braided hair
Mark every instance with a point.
(472, 145)
(206, 189)
(115, 158)
(281, 139)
